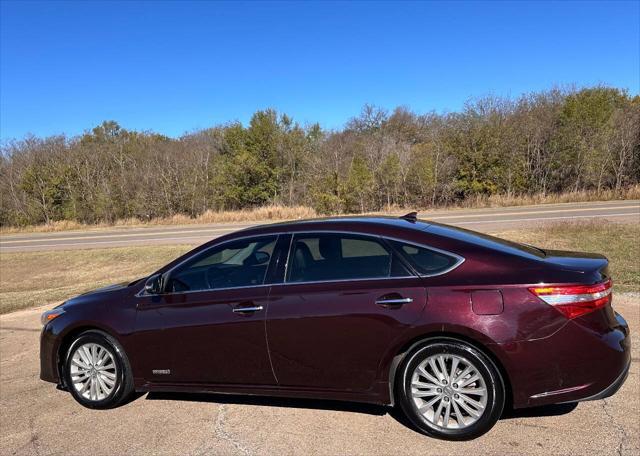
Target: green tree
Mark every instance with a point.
(357, 188)
(583, 129)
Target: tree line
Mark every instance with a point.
(547, 142)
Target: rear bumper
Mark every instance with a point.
(584, 360)
(611, 389)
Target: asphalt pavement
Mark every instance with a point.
(476, 219)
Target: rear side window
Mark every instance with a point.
(324, 257)
(424, 260)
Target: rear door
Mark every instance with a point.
(344, 300)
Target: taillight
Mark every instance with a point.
(575, 300)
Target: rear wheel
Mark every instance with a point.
(97, 371)
(451, 390)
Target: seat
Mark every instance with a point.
(302, 261)
(330, 248)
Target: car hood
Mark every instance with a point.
(100, 295)
(114, 287)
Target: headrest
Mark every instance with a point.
(330, 247)
(302, 254)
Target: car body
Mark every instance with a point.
(268, 315)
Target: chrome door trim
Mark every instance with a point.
(459, 259)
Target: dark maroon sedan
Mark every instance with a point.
(450, 325)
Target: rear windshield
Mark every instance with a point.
(486, 240)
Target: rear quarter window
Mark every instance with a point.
(424, 260)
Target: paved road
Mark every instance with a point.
(477, 219)
(37, 419)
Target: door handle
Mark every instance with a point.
(247, 309)
(387, 302)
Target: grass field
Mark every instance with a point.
(36, 278)
(620, 242)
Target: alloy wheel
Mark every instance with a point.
(449, 391)
(93, 371)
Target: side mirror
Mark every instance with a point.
(153, 285)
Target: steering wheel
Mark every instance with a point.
(216, 278)
(183, 285)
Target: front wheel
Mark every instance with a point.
(97, 371)
(451, 390)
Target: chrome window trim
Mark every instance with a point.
(460, 259)
(276, 235)
(289, 254)
(141, 293)
(362, 279)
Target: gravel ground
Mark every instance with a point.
(35, 418)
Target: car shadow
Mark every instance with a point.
(265, 401)
(543, 410)
(354, 407)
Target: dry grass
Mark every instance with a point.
(278, 212)
(619, 242)
(631, 193)
(260, 214)
(494, 201)
(31, 279)
(249, 215)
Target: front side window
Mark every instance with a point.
(329, 256)
(238, 263)
(424, 260)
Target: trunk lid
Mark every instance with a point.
(590, 267)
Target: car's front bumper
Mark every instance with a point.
(49, 355)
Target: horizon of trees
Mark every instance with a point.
(546, 142)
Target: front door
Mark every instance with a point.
(208, 325)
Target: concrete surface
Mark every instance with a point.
(476, 219)
(37, 419)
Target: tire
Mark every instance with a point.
(96, 357)
(471, 412)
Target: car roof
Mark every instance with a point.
(343, 222)
(405, 227)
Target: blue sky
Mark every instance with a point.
(175, 67)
